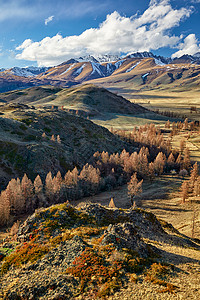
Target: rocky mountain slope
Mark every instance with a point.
(91, 252)
(25, 72)
(27, 145)
(141, 69)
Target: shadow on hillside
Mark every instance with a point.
(137, 94)
(147, 96)
(148, 116)
(175, 259)
(174, 209)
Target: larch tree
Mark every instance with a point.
(186, 159)
(57, 183)
(5, 208)
(182, 145)
(193, 176)
(151, 171)
(128, 165)
(27, 192)
(143, 164)
(49, 186)
(38, 185)
(10, 195)
(18, 198)
(134, 187)
(124, 156)
(133, 161)
(178, 160)
(196, 189)
(53, 138)
(68, 179)
(39, 195)
(171, 161)
(90, 177)
(75, 176)
(159, 163)
(184, 191)
(58, 139)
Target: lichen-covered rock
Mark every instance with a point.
(64, 251)
(126, 236)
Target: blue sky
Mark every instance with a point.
(48, 32)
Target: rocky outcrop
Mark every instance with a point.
(91, 251)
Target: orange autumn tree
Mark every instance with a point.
(134, 187)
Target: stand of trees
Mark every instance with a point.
(103, 173)
(191, 186)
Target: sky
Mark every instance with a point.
(49, 32)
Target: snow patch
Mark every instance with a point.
(119, 63)
(145, 75)
(96, 68)
(110, 68)
(79, 70)
(68, 69)
(159, 62)
(133, 67)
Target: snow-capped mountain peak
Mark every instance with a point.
(107, 58)
(197, 55)
(88, 58)
(26, 71)
(98, 58)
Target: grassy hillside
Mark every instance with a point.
(87, 97)
(105, 108)
(25, 150)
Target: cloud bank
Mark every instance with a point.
(189, 46)
(116, 35)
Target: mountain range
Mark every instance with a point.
(140, 67)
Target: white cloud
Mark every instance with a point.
(117, 34)
(25, 44)
(49, 19)
(189, 46)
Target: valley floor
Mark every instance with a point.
(161, 197)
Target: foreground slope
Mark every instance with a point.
(92, 251)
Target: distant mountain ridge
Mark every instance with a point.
(139, 65)
(25, 72)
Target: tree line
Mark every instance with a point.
(103, 172)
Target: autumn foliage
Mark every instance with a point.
(104, 172)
